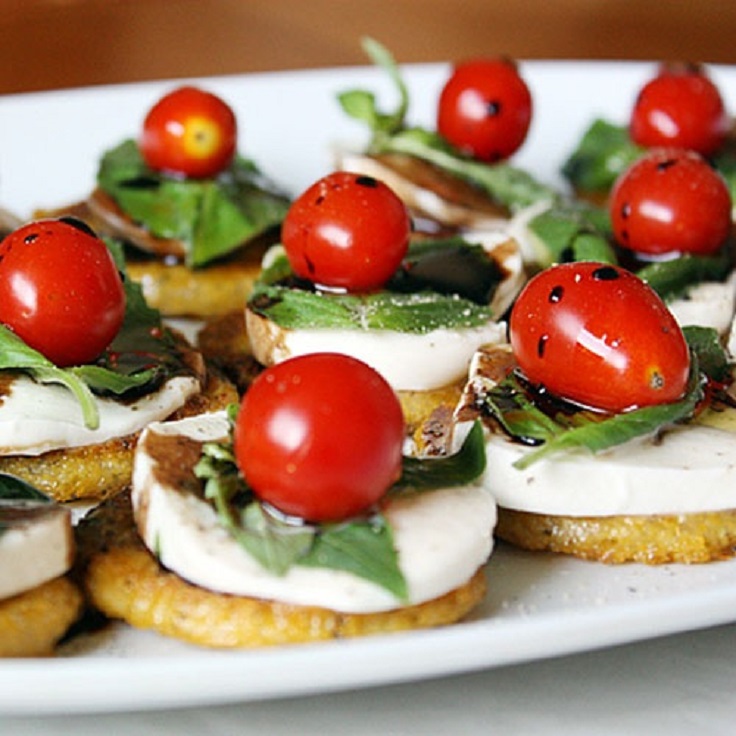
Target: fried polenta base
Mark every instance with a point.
(94, 472)
(32, 623)
(124, 581)
(651, 540)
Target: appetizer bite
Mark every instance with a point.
(191, 212)
(295, 520)
(38, 602)
(85, 364)
(605, 429)
(348, 277)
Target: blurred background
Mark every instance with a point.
(46, 44)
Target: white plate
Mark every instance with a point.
(538, 606)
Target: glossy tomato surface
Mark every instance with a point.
(668, 202)
(189, 132)
(60, 290)
(597, 335)
(346, 231)
(320, 437)
(681, 107)
(485, 109)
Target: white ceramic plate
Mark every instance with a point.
(538, 606)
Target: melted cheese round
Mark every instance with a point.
(442, 538)
(37, 418)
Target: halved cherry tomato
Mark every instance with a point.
(320, 437)
(346, 231)
(485, 109)
(60, 290)
(189, 132)
(671, 201)
(599, 336)
(681, 107)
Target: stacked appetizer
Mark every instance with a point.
(85, 364)
(295, 520)
(191, 212)
(38, 602)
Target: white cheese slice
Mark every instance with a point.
(442, 538)
(688, 470)
(36, 545)
(36, 418)
(709, 304)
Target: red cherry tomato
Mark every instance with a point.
(346, 231)
(670, 201)
(189, 132)
(320, 436)
(680, 107)
(485, 109)
(60, 290)
(599, 336)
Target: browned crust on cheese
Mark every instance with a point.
(651, 540)
(99, 471)
(32, 623)
(124, 581)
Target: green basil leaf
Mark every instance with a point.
(15, 489)
(712, 357)
(671, 279)
(212, 217)
(364, 548)
(461, 468)
(413, 313)
(604, 152)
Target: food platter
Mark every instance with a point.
(538, 606)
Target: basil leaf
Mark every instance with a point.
(15, 489)
(510, 405)
(212, 217)
(412, 313)
(16, 355)
(604, 152)
(461, 468)
(670, 279)
(712, 358)
(364, 548)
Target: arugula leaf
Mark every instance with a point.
(212, 217)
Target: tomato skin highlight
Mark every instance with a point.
(671, 201)
(320, 437)
(60, 290)
(346, 231)
(189, 132)
(682, 107)
(597, 335)
(485, 109)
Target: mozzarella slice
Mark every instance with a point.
(36, 545)
(442, 538)
(37, 418)
(688, 470)
(709, 304)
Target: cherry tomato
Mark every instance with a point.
(320, 436)
(670, 201)
(681, 107)
(189, 132)
(485, 109)
(599, 336)
(346, 231)
(60, 290)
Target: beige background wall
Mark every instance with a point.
(64, 43)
